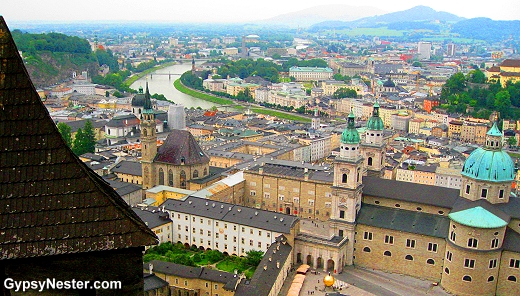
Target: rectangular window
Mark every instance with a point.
(209, 233)
(242, 240)
(484, 193)
(216, 287)
(201, 220)
(432, 247)
(501, 193)
(281, 197)
(467, 189)
(216, 224)
(342, 214)
(469, 263)
(389, 239)
(260, 244)
(234, 227)
(493, 263)
(259, 233)
(252, 193)
(225, 236)
(367, 235)
(410, 243)
(234, 239)
(186, 229)
(202, 231)
(252, 183)
(216, 234)
(514, 263)
(311, 202)
(268, 234)
(178, 227)
(494, 243)
(251, 242)
(267, 195)
(193, 230)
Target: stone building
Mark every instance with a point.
(178, 160)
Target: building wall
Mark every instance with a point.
(183, 285)
(300, 197)
(410, 206)
(130, 178)
(369, 251)
(509, 274)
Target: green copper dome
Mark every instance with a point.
(477, 217)
(375, 122)
(350, 135)
(490, 163)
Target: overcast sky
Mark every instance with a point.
(226, 10)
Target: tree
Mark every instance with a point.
(476, 76)
(254, 257)
(85, 140)
(511, 141)
(65, 132)
(503, 103)
(344, 93)
(214, 256)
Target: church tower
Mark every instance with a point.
(373, 148)
(148, 140)
(347, 185)
(315, 124)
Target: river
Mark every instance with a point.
(160, 82)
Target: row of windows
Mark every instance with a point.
(410, 243)
(398, 206)
(484, 192)
(407, 257)
(468, 278)
(473, 242)
(201, 231)
(201, 241)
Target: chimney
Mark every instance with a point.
(261, 169)
(306, 174)
(150, 267)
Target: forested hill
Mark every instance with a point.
(51, 58)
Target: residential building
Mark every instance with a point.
(310, 73)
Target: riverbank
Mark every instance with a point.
(130, 80)
(221, 101)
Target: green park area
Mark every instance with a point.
(214, 259)
(221, 101)
(280, 115)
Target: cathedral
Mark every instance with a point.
(467, 240)
(177, 161)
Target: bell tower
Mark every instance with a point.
(347, 185)
(373, 148)
(148, 141)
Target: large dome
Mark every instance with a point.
(489, 165)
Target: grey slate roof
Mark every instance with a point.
(133, 168)
(226, 212)
(403, 220)
(512, 241)
(228, 279)
(410, 192)
(153, 282)
(51, 203)
(263, 279)
(152, 217)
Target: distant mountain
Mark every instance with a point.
(422, 14)
(316, 14)
(494, 30)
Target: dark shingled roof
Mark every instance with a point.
(133, 168)
(180, 145)
(403, 220)
(153, 282)
(153, 217)
(410, 192)
(50, 202)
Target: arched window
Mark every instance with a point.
(453, 235)
(511, 278)
(447, 270)
(409, 257)
(205, 171)
(466, 278)
(170, 178)
(161, 176)
(182, 160)
(491, 278)
(344, 178)
(195, 174)
(366, 249)
(370, 161)
(430, 261)
(387, 253)
(183, 179)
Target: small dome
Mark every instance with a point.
(375, 122)
(389, 83)
(138, 100)
(489, 165)
(350, 135)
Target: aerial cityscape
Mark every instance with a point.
(259, 149)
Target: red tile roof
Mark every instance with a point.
(510, 63)
(51, 203)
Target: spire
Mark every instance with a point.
(375, 123)
(350, 135)
(147, 99)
